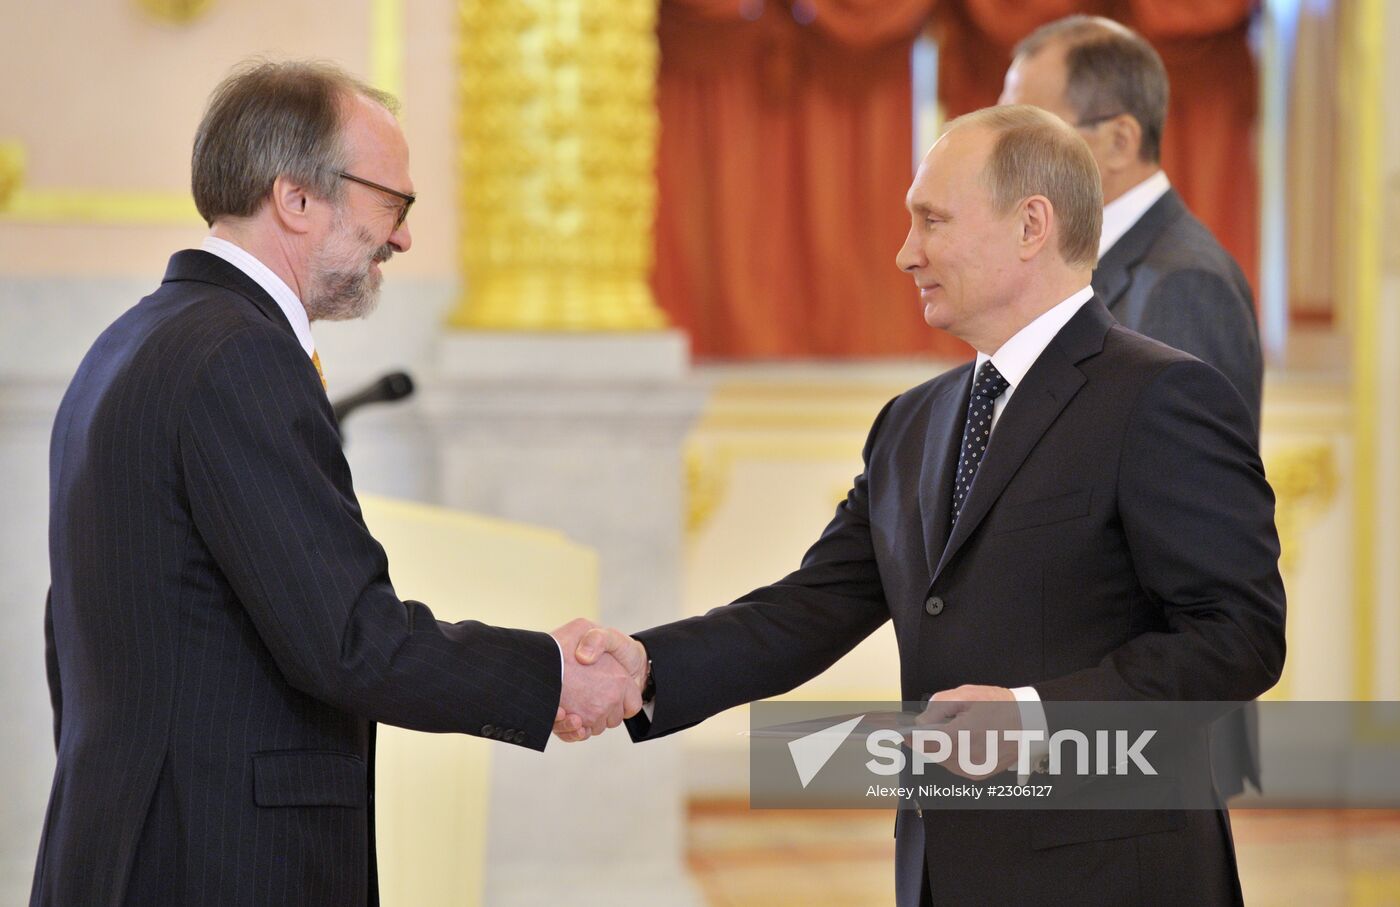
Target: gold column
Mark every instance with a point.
(1360, 97)
(558, 127)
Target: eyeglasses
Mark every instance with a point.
(407, 199)
(1087, 122)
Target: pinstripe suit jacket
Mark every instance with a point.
(222, 630)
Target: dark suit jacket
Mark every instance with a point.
(223, 631)
(1117, 544)
(1169, 278)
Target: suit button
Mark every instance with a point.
(519, 737)
(488, 730)
(934, 605)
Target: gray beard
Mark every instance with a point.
(344, 295)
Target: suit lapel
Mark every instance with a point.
(1114, 271)
(205, 267)
(942, 439)
(1046, 390)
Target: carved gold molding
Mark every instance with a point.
(709, 464)
(11, 171)
(58, 206)
(1304, 479)
(175, 12)
(78, 206)
(706, 482)
(558, 124)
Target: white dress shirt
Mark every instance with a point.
(1014, 360)
(264, 277)
(1018, 354)
(1127, 209)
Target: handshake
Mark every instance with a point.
(605, 671)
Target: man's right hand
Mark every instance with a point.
(602, 645)
(598, 693)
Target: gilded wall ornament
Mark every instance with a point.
(11, 171)
(1304, 479)
(175, 12)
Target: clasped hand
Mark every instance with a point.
(604, 674)
(986, 718)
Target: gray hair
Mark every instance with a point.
(1037, 153)
(1109, 69)
(267, 120)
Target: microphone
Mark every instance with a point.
(393, 386)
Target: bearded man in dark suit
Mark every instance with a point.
(222, 631)
(1079, 515)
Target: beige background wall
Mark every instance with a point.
(106, 98)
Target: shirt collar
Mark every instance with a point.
(1018, 354)
(1127, 209)
(264, 277)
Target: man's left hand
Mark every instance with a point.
(977, 710)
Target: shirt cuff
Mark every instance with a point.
(1032, 719)
(561, 658)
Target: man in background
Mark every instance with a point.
(222, 631)
(1160, 271)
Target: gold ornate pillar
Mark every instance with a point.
(1362, 117)
(558, 127)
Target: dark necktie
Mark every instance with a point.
(988, 386)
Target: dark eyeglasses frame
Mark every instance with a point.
(1088, 122)
(407, 199)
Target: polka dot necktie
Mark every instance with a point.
(989, 385)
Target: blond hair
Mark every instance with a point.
(1036, 153)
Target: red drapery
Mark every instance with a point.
(786, 149)
(1208, 146)
(785, 153)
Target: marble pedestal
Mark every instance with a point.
(582, 433)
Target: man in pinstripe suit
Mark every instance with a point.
(222, 632)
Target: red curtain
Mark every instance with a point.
(1208, 148)
(786, 150)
